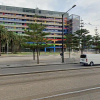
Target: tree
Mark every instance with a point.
(69, 42)
(96, 42)
(80, 35)
(19, 41)
(2, 35)
(12, 39)
(35, 37)
(88, 42)
(31, 46)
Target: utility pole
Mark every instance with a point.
(63, 32)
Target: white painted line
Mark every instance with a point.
(67, 93)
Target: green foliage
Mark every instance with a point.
(96, 42)
(36, 36)
(71, 42)
(82, 38)
(15, 41)
(2, 36)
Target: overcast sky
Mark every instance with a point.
(88, 10)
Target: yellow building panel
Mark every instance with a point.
(54, 41)
(58, 44)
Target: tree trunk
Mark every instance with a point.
(11, 46)
(37, 56)
(81, 51)
(33, 54)
(96, 51)
(39, 52)
(69, 52)
(0, 45)
(19, 49)
(7, 47)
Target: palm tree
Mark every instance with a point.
(11, 38)
(3, 32)
(19, 41)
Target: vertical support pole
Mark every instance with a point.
(45, 49)
(7, 47)
(62, 40)
(54, 49)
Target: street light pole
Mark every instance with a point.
(63, 33)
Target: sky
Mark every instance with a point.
(88, 10)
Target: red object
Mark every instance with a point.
(25, 24)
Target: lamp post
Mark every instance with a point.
(63, 33)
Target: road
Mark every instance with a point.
(42, 85)
(39, 68)
(85, 94)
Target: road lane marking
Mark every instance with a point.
(73, 92)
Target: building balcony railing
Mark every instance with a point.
(21, 26)
(5, 20)
(18, 21)
(30, 18)
(51, 32)
(53, 36)
(27, 13)
(16, 30)
(53, 28)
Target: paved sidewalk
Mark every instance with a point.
(20, 61)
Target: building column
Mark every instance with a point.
(54, 49)
(45, 49)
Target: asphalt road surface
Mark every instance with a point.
(39, 86)
(39, 68)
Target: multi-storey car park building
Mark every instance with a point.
(73, 24)
(16, 19)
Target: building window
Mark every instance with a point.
(39, 11)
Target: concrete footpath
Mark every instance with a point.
(20, 61)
